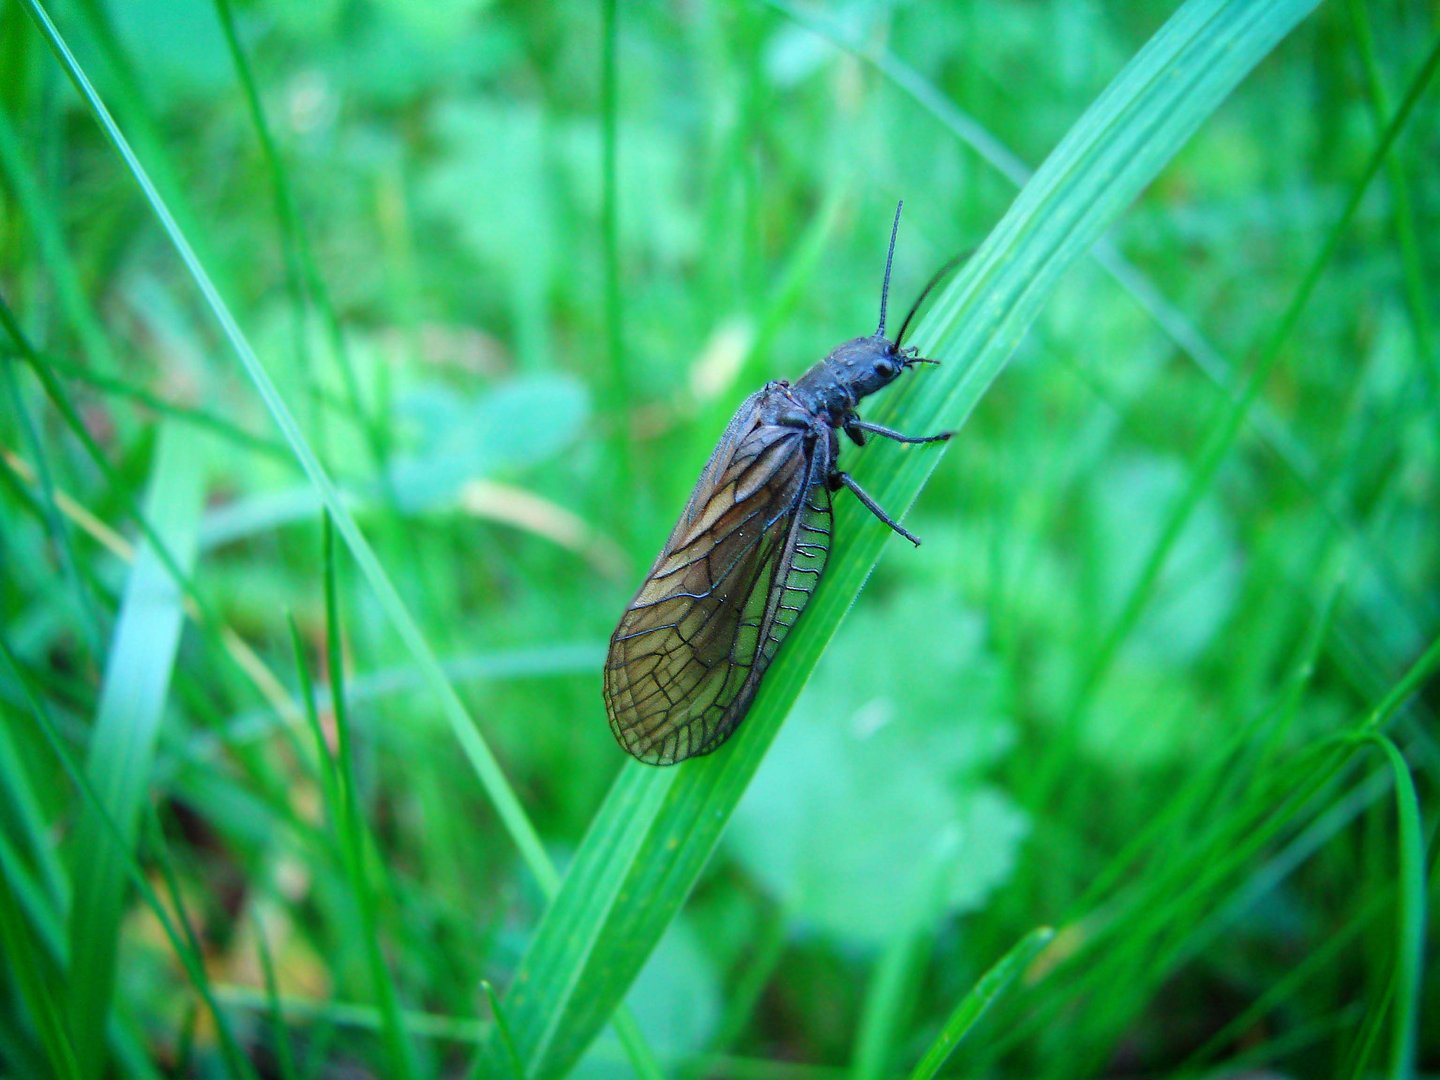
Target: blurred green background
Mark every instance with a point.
(514, 380)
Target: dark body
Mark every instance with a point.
(747, 554)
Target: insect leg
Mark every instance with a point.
(843, 479)
(856, 428)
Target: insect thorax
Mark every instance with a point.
(852, 371)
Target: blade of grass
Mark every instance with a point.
(512, 1058)
(26, 827)
(492, 778)
(350, 824)
(338, 793)
(34, 978)
(744, 991)
(548, 660)
(473, 744)
(354, 1015)
(86, 607)
(974, 1004)
(1202, 1060)
(127, 725)
(196, 606)
(130, 1056)
(657, 828)
(127, 389)
(39, 213)
(291, 232)
(284, 1055)
(1221, 438)
(1404, 989)
(1411, 263)
(894, 978)
(1169, 318)
(889, 998)
(304, 281)
(1196, 873)
(621, 393)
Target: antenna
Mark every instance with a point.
(954, 261)
(890, 258)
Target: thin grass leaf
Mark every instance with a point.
(199, 418)
(310, 709)
(618, 361)
(337, 790)
(1404, 989)
(512, 1057)
(33, 978)
(1171, 321)
(350, 825)
(1196, 875)
(48, 236)
(1279, 992)
(974, 1004)
(27, 831)
(292, 236)
(128, 1052)
(1202, 790)
(743, 994)
(127, 726)
(205, 617)
(891, 994)
(888, 1000)
(359, 1017)
(473, 744)
(656, 830)
(86, 609)
(1220, 440)
(1411, 262)
(284, 1056)
(304, 281)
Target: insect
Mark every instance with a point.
(749, 550)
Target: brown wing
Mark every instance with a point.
(741, 565)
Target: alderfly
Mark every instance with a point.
(749, 550)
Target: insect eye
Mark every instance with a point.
(885, 367)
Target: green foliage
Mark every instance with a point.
(480, 284)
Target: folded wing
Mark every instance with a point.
(689, 653)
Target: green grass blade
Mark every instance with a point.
(33, 978)
(354, 841)
(894, 983)
(284, 1055)
(1166, 315)
(1404, 992)
(126, 1046)
(888, 1000)
(973, 1005)
(26, 836)
(132, 704)
(620, 393)
(60, 533)
(657, 828)
(39, 213)
(199, 418)
(1411, 260)
(512, 1058)
(1221, 438)
(1137, 937)
(476, 749)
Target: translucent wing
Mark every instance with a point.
(736, 573)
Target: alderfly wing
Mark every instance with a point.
(741, 565)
